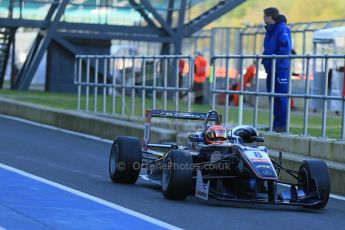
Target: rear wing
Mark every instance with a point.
(179, 115)
(149, 113)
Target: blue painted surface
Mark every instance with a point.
(29, 204)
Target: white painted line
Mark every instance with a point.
(95, 199)
(95, 138)
(337, 197)
(57, 129)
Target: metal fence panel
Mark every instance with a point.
(127, 85)
(132, 81)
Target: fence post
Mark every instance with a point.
(324, 110)
(133, 89)
(226, 106)
(343, 112)
(95, 92)
(105, 87)
(306, 99)
(213, 84)
(87, 85)
(114, 88)
(176, 72)
(154, 83)
(79, 82)
(240, 104)
(256, 101)
(271, 97)
(190, 82)
(289, 99)
(123, 90)
(143, 94)
(165, 93)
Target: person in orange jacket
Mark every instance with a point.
(247, 79)
(200, 74)
(181, 66)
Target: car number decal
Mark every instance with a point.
(257, 156)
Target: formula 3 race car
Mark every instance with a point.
(215, 163)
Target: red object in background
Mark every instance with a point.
(247, 78)
(200, 69)
(181, 64)
(292, 104)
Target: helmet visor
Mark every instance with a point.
(217, 135)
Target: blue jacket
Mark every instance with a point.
(277, 41)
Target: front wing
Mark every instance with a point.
(293, 198)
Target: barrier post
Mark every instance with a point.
(343, 112)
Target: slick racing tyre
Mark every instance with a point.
(177, 175)
(313, 177)
(125, 160)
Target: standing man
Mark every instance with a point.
(277, 41)
(200, 74)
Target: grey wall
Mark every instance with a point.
(60, 63)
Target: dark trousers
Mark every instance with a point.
(198, 89)
(280, 103)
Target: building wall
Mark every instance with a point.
(60, 63)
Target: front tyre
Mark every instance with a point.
(177, 175)
(314, 179)
(125, 160)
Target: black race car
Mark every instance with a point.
(227, 166)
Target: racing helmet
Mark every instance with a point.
(246, 132)
(215, 134)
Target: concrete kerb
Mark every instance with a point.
(103, 127)
(327, 149)
(288, 143)
(109, 128)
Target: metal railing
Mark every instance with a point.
(150, 78)
(311, 66)
(127, 80)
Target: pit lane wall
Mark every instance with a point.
(295, 148)
(103, 127)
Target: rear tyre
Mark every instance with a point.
(177, 175)
(125, 160)
(314, 178)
